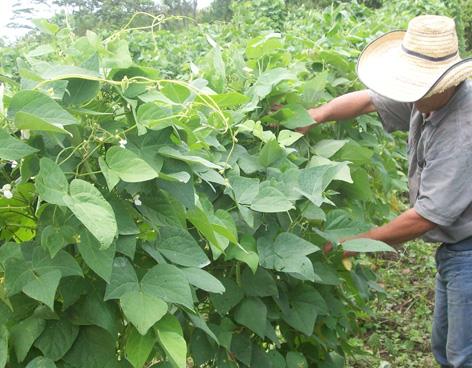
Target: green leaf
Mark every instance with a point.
(171, 339)
(99, 260)
(355, 153)
(178, 246)
(41, 362)
(260, 284)
(142, 310)
(24, 334)
(270, 200)
(123, 279)
(305, 305)
(129, 166)
(57, 338)
(170, 152)
(244, 189)
(364, 245)
(293, 116)
(288, 137)
(328, 147)
(263, 45)
(225, 302)
(89, 206)
(224, 100)
(245, 252)
(176, 91)
(45, 27)
(314, 180)
(288, 254)
(200, 323)
(62, 261)
(12, 148)
(169, 283)
(37, 111)
(270, 153)
(43, 287)
(277, 359)
(51, 183)
(117, 55)
(80, 91)
(138, 347)
(252, 313)
(94, 348)
(3, 346)
(203, 280)
(156, 115)
(296, 360)
(111, 177)
(52, 239)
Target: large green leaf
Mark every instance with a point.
(138, 347)
(41, 362)
(305, 305)
(365, 245)
(244, 189)
(12, 148)
(89, 206)
(270, 199)
(252, 313)
(123, 279)
(169, 283)
(203, 280)
(57, 338)
(129, 166)
(99, 260)
(142, 310)
(314, 180)
(51, 183)
(294, 116)
(270, 153)
(94, 348)
(117, 55)
(179, 247)
(43, 287)
(24, 334)
(296, 360)
(172, 341)
(3, 346)
(288, 254)
(36, 111)
(231, 297)
(80, 91)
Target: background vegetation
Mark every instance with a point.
(151, 214)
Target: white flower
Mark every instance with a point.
(136, 200)
(13, 164)
(25, 134)
(6, 190)
(123, 142)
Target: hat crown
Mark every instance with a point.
(431, 35)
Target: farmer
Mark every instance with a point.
(417, 82)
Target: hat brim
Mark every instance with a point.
(386, 69)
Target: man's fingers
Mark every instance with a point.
(303, 130)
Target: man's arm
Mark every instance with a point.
(409, 225)
(343, 107)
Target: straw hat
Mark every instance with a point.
(407, 66)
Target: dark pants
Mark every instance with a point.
(452, 324)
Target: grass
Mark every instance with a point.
(398, 334)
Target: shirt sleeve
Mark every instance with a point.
(393, 114)
(445, 190)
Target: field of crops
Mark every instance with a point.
(155, 212)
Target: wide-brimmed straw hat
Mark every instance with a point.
(409, 65)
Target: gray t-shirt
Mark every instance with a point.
(439, 161)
